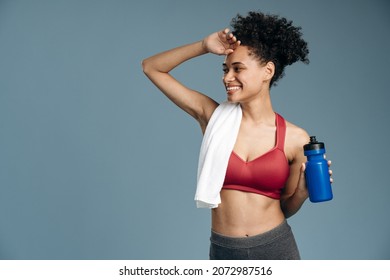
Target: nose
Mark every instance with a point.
(228, 77)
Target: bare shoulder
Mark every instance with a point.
(296, 134)
(296, 137)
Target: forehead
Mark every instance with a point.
(240, 54)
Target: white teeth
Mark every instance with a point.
(233, 88)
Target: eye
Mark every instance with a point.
(225, 70)
(237, 69)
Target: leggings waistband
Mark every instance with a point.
(251, 241)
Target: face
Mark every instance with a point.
(245, 78)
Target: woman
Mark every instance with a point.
(264, 182)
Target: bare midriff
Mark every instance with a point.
(243, 214)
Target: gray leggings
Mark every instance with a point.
(276, 244)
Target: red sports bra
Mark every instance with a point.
(266, 174)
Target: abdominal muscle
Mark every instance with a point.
(242, 214)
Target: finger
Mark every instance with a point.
(228, 33)
(231, 38)
(303, 167)
(329, 162)
(302, 172)
(223, 33)
(236, 44)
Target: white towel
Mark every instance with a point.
(217, 145)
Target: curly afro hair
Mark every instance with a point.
(271, 38)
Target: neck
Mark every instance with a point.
(258, 110)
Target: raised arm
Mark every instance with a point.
(157, 69)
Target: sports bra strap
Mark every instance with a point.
(281, 131)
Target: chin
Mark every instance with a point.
(232, 100)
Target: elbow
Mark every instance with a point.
(149, 68)
(286, 213)
(288, 207)
(291, 206)
(145, 66)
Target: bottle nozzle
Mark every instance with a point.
(314, 144)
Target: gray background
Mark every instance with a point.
(95, 163)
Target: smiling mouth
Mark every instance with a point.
(232, 89)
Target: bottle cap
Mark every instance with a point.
(314, 144)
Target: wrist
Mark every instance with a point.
(204, 47)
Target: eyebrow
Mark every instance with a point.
(234, 63)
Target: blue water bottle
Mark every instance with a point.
(317, 171)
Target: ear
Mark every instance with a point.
(269, 70)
